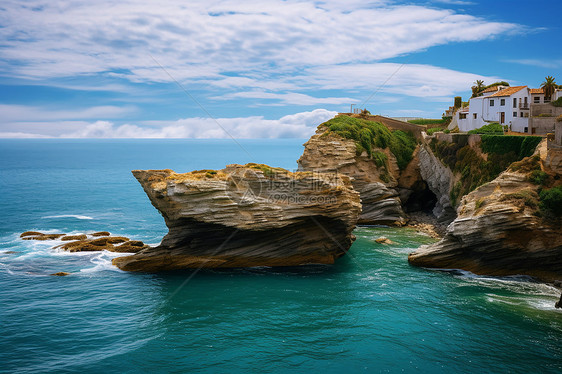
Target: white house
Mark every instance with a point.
(505, 105)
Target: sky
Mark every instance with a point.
(256, 69)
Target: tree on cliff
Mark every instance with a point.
(548, 86)
(477, 88)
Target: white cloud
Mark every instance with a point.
(24, 113)
(206, 38)
(292, 98)
(543, 63)
(300, 125)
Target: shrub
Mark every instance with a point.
(447, 131)
(369, 134)
(551, 200)
(522, 146)
(545, 115)
(557, 102)
(433, 130)
(559, 118)
(380, 159)
(538, 177)
(492, 129)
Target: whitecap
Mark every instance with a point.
(77, 216)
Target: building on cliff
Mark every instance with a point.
(523, 109)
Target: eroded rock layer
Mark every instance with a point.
(500, 230)
(376, 185)
(245, 216)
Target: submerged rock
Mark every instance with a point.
(500, 231)
(244, 216)
(61, 274)
(384, 240)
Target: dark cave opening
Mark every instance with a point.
(422, 199)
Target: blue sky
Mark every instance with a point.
(262, 69)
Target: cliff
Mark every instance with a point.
(508, 226)
(243, 216)
(366, 152)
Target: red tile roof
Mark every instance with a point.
(508, 91)
(536, 90)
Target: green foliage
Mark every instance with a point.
(545, 115)
(559, 118)
(429, 121)
(433, 130)
(557, 102)
(551, 200)
(522, 146)
(492, 129)
(369, 134)
(549, 86)
(458, 102)
(447, 131)
(538, 177)
(380, 159)
(474, 171)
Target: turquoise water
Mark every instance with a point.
(371, 312)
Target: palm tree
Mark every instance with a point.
(479, 86)
(548, 86)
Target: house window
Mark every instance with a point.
(537, 99)
(521, 115)
(514, 114)
(491, 102)
(546, 100)
(514, 102)
(502, 102)
(526, 129)
(475, 115)
(462, 115)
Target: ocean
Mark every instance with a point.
(370, 312)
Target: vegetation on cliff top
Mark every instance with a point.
(474, 170)
(368, 135)
(490, 129)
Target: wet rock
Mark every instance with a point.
(101, 233)
(74, 237)
(61, 274)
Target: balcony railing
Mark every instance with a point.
(524, 106)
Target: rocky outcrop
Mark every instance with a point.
(329, 152)
(440, 180)
(99, 241)
(499, 231)
(245, 216)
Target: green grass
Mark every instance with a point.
(434, 130)
(491, 129)
(429, 121)
(368, 135)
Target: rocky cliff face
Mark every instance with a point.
(499, 231)
(245, 216)
(440, 180)
(376, 185)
